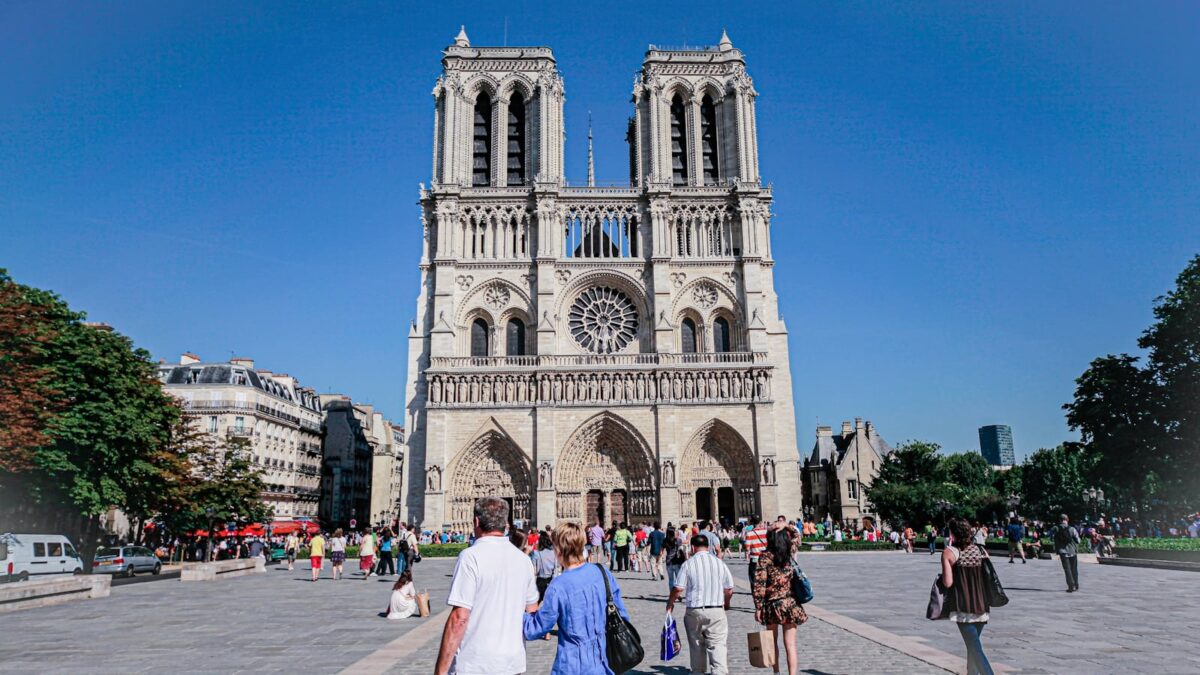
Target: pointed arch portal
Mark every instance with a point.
(490, 466)
(606, 473)
(718, 475)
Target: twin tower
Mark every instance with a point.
(597, 353)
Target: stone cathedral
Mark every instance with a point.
(598, 353)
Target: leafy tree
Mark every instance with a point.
(968, 470)
(27, 400)
(228, 488)
(910, 462)
(1054, 481)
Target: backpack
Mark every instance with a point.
(402, 544)
(1062, 537)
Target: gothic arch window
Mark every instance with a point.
(708, 141)
(515, 338)
(479, 338)
(481, 148)
(679, 153)
(687, 336)
(516, 140)
(721, 335)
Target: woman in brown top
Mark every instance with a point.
(774, 605)
(962, 575)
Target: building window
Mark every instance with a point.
(516, 140)
(708, 141)
(239, 423)
(687, 336)
(679, 155)
(212, 424)
(481, 153)
(515, 338)
(721, 334)
(852, 489)
(479, 338)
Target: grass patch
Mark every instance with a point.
(1163, 544)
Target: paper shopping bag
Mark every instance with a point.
(671, 644)
(423, 603)
(762, 649)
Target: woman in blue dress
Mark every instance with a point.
(576, 601)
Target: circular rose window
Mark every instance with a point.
(603, 320)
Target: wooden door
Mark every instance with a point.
(617, 506)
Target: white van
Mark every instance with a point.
(26, 555)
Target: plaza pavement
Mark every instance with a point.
(280, 621)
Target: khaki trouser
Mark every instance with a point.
(708, 633)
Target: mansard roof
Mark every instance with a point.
(232, 374)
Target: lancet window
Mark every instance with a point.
(516, 140)
(515, 338)
(479, 338)
(481, 148)
(708, 142)
(679, 154)
(687, 336)
(721, 335)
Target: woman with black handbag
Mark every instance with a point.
(594, 633)
(964, 578)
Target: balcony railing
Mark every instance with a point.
(593, 360)
(236, 432)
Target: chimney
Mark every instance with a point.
(188, 358)
(870, 428)
(242, 361)
(858, 424)
(824, 432)
(846, 429)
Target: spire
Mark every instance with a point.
(725, 44)
(591, 164)
(461, 39)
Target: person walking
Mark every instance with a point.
(931, 538)
(366, 554)
(596, 542)
(410, 548)
(756, 542)
(403, 603)
(774, 605)
(387, 566)
(337, 553)
(291, 546)
(1066, 542)
(657, 540)
(576, 601)
(1016, 535)
(674, 554)
(545, 562)
(707, 583)
(316, 555)
(621, 540)
(490, 591)
(962, 575)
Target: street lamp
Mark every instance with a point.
(208, 511)
(1014, 501)
(1093, 498)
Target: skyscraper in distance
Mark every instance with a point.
(996, 445)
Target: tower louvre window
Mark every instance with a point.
(515, 338)
(708, 141)
(721, 334)
(481, 149)
(679, 154)
(687, 336)
(516, 140)
(479, 338)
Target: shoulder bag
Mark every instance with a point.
(992, 589)
(801, 587)
(939, 601)
(624, 645)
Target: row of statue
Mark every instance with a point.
(638, 387)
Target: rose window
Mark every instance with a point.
(603, 320)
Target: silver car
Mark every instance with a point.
(126, 561)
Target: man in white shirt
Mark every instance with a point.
(707, 584)
(491, 591)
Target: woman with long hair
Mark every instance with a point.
(337, 553)
(576, 600)
(962, 575)
(674, 554)
(774, 605)
(404, 597)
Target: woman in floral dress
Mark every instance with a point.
(774, 605)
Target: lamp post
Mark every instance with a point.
(1014, 501)
(1093, 498)
(208, 512)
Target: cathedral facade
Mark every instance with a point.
(598, 353)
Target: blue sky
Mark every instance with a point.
(972, 200)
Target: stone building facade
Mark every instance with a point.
(838, 471)
(363, 468)
(281, 420)
(598, 353)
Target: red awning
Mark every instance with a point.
(290, 526)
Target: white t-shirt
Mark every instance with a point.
(492, 579)
(337, 544)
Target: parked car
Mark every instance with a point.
(26, 555)
(276, 553)
(126, 561)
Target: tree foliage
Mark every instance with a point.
(1054, 481)
(27, 399)
(1140, 423)
(917, 485)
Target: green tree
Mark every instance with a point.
(968, 470)
(1054, 480)
(228, 488)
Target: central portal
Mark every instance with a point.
(606, 475)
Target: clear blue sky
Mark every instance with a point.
(972, 200)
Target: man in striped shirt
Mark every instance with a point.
(707, 585)
(756, 543)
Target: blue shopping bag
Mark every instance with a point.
(670, 639)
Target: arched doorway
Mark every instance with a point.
(490, 466)
(719, 480)
(607, 474)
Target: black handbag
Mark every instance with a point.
(624, 645)
(992, 589)
(940, 601)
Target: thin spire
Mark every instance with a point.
(725, 44)
(591, 163)
(461, 39)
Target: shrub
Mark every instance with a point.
(1161, 544)
(442, 550)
